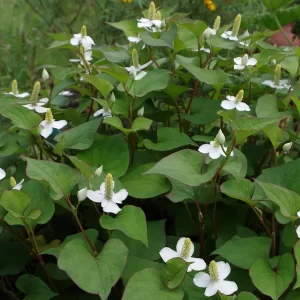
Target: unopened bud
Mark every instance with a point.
(83, 31)
(277, 76)
(14, 87)
(273, 62)
(49, 116)
(81, 194)
(287, 147)
(151, 11)
(158, 15)
(140, 112)
(112, 97)
(239, 96)
(135, 58)
(217, 23)
(35, 91)
(12, 181)
(45, 75)
(98, 172)
(236, 25)
(220, 138)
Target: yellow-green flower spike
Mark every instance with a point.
(14, 87)
(217, 23)
(186, 248)
(277, 76)
(239, 96)
(35, 91)
(109, 189)
(158, 15)
(236, 25)
(213, 271)
(83, 31)
(151, 11)
(49, 116)
(12, 182)
(135, 58)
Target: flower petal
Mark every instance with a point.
(29, 106)
(75, 40)
(81, 194)
(227, 287)
(239, 67)
(95, 196)
(140, 76)
(98, 112)
(242, 107)
(269, 83)
(202, 280)
(238, 60)
(206, 148)
(223, 269)
(227, 104)
(111, 207)
(23, 95)
(180, 244)
(120, 196)
(46, 130)
(133, 39)
(211, 289)
(207, 50)
(59, 124)
(40, 109)
(251, 62)
(215, 152)
(102, 188)
(2, 173)
(231, 98)
(167, 253)
(298, 214)
(298, 231)
(198, 264)
(157, 23)
(146, 65)
(44, 100)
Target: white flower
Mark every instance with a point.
(215, 282)
(184, 250)
(66, 93)
(81, 194)
(287, 147)
(209, 31)
(298, 228)
(19, 185)
(105, 112)
(235, 102)
(150, 25)
(2, 173)
(213, 149)
(15, 91)
(22, 95)
(82, 39)
(242, 62)
(107, 197)
(207, 50)
(282, 84)
(87, 57)
(229, 36)
(136, 72)
(38, 106)
(49, 123)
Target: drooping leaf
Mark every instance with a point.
(102, 85)
(141, 123)
(246, 296)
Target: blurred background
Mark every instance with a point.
(25, 26)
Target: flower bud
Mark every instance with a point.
(12, 181)
(83, 31)
(135, 58)
(287, 147)
(98, 172)
(151, 11)
(81, 194)
(45, 75)
(277, 76)
(112, 97)
(236, 25)
(14, 87)
(220, 138)
(273, 62)
(140, 112)
(35, 91)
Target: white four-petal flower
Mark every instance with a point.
(150, 25)
(242, 62)
(215, 280)
(82, 39)
(38, 106)
(107, 197)
(184, 250)
(136, 72)
(282, 84)
(49, 123)
(233, 102)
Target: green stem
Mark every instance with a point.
(281, 29)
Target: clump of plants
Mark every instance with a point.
(166, 168)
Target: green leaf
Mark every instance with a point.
(15, 202)
(174, 272)
(287, 200)
(147, 285)
(204, 75)
(275, 134)
(236, 165)
(275, 4)
(243, 252)
(34, 288)
(141, 123)
(241, 189)
(127, 26)
(246, 296)
(117, 123)
(91, 233)
(60, 177)
(20, 116)
(115, 71)
(111, 152)
(85, 169)
(155, 80)
(291, 64)
(297, 256)
(186, 166)
(168, 139)
(34, 214)
(80, 137)
(143, 186)
(130, 220)
(102, 85)
(267, 107)
(197, 27)
(272, 283)
(103, 271)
